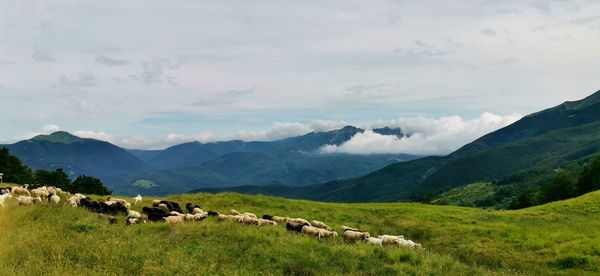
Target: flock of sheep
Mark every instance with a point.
(171, 212)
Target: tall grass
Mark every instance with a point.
(61, 240)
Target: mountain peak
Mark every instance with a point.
(58, 137)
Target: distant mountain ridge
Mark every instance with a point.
(295, 161)
(526, 152)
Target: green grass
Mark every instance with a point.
(558, 238)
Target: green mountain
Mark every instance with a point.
(526, 152)
(75, 155)
(295, 161)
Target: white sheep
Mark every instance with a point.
(37, 200)
(352, 235)
(43, 193)
(320, 224)
(18, 191)
(25, 200)
(299, 220)
(134, 214)
(375, 241)
(389, 239)
(311, 231)
(197, 211)
(250, 215)
(3, 198)
(174, 219)
(327, 234)
(280, 219)
(408, 244)
(54, 199)
(137, 199)
(263, 222)
(234, 212)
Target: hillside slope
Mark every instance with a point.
(557, 238)
(565, 136)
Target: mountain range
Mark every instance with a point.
(528, 152)
(295, 161)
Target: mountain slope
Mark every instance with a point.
(75, 155)
(565, 136)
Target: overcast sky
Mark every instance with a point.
(146, 74)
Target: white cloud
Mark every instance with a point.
(426, 136)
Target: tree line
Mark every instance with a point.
(563, 186)
(15, 172)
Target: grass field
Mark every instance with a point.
(557, 238)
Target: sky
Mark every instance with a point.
(149, 74)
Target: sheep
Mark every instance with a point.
(18, 191)
(5, 190)
(134, 214)
(190, 208)
(327, 234)
(352, 235)
(408, 244)
(54, 199)
(320, 224)
(222, 217)
(346, 228)
(50, 190)
(299, 220)
(174, 219)
(164, 207)
(25, 200)
(37, 200)
(175, 213)
(3, 197)
(295, 226)
(137, 199)
(268, 217)
(212, 214)
(389, 239)
(155, 213)
(374, 241)
(234, 212)
(248, 220)
(250, 215)
(130, 221)
(200, 217)
(39, 192)
(263, 222)
(279, 219)
(155, 202)
(311, 231)
(189, 217)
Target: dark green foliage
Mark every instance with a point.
(12, 168)
(590, 178)
(527, 198)
(562, 187)
(57, 178)
(88, 185)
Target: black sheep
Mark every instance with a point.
(155, 213)
(295, 227)
(190, 207)
(212, 214)
(268, 217)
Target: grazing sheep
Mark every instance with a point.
(43, 193)
(300, 220)
(190, 208)
(18, 191)
(327, 234)
(375, 241)
(269, 217)
(188, 217)
(234, 212)
(408, 244)
(248, 220)
(346, 228)
(25, 200)
(279, 219)
(155, 213)
(174, 219)
(155, 202)
(50, 190)
(250, 215)
(37, 200)
(134, 214)
(137, 199)
(130, 221)
(311, 231)
(5, 190)
(320, 224)
(164, 207)
(389, 239)
(54, 199)
(175, 213)
(222, 217)
(263, 222)
(352, 235)
(3, 197)
(212, 214)
(113, 220)
(200, 216)
(295, 226)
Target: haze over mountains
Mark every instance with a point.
(526, 152)
(295, 161)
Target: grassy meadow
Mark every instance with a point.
(557, 238)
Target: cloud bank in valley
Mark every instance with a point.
(424, 136)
